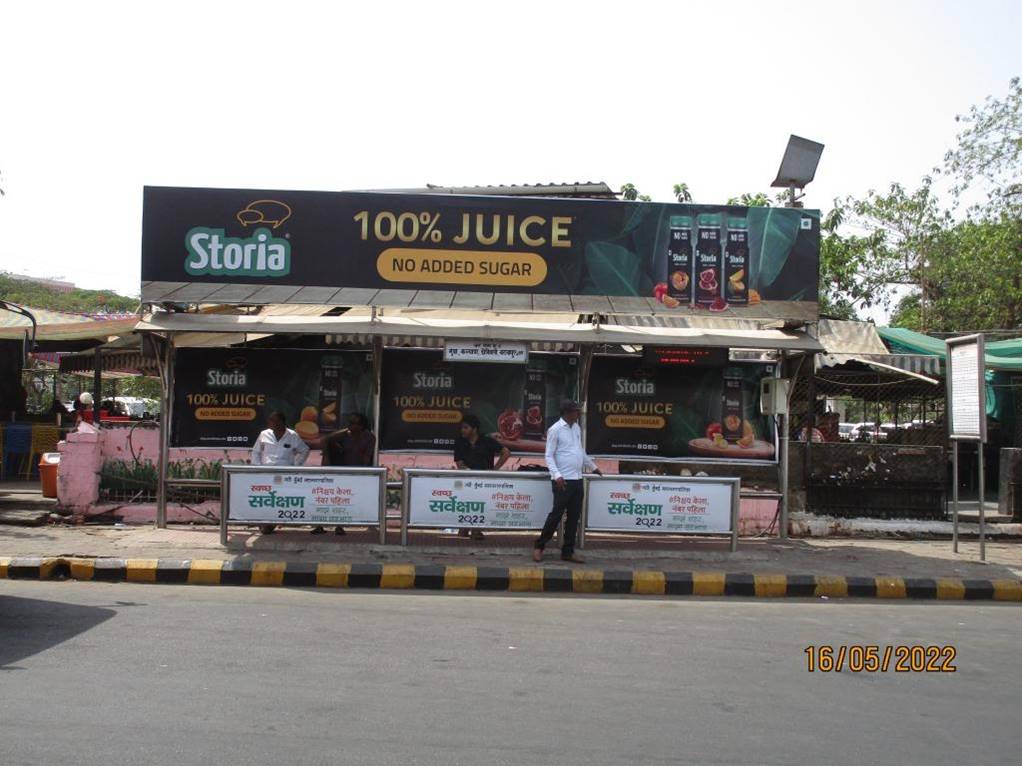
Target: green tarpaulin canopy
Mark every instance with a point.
(1000, 355)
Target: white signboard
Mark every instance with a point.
(304, 497)
(967, 387)
(485, 351)
(648, 504)
(516, 501)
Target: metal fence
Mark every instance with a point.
(875, 443)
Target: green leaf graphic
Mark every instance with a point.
(780, 229)
(614, 270)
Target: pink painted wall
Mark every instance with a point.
(83, 454)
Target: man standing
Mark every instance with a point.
(351, 446)
(278, 445)
(565, 459)
(474, 451)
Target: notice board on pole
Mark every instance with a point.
(966, 384)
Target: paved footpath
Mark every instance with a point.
(816, 567)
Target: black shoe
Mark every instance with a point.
(318, 531)
(267, 529)
(340, 531)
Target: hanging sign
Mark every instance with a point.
(485, 351)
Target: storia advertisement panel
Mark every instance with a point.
(746, 261)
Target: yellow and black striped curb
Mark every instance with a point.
(515, 579)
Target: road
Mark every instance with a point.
(124, 674)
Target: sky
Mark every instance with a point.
(100, 99)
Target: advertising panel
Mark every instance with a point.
(308, 496)
(705, 412)
(691, 258)
(425, 398)
(223, 396)
(660, 505)
(457, 499)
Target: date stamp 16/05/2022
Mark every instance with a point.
(863, 658)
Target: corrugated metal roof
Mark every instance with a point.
(584, 189)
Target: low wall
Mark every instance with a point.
(85, 451)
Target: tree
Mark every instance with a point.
(989, 149)
(975, 282)
(630, 193)
(897, 238)
(759, 199)
(682, 192)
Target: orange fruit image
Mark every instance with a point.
(679, 280)
(307, 429)
(310, 414)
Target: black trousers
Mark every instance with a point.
(568, 499)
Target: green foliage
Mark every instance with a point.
(682, 193)
(145, 388)
(77, 301)
(759, 199)
(629, 192)
(975, 284)
(989, 150)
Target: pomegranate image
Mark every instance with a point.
(510, 425)
(533, 416)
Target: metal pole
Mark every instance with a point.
(383, 506)
(97, 385)
(406, 484)
(783, 436)
(982, 510)
(736, 502)
(167, 379)
(954, 496)
(585, 512)
(377, 377)
(225, 504)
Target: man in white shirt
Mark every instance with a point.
(278, 445)
(566, 460)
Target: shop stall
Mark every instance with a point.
(418, 310)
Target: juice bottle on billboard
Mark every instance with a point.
(732, 405)
(708, 261)
(330, 385)
(736, 261)
(679, 259)
(534, 404)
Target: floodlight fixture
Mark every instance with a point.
(798, 166)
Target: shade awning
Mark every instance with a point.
(476, 326)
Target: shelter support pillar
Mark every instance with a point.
(782, 428)
(166, 404)
(97, 384)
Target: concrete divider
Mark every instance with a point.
(553, 579)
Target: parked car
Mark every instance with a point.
(844, 431)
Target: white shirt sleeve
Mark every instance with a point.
(301, 451)
(552, 435)
(257, 451)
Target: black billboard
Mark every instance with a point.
(669, 412)
(424, 398)
(694, 258)
(223, 396)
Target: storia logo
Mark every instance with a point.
(211, 251)
(634, 387)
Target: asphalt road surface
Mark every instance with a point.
(126, 674)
